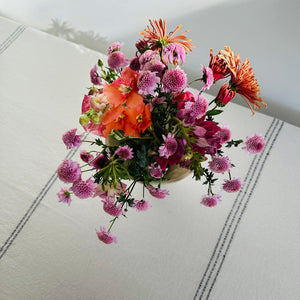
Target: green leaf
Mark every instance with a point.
(214, 112)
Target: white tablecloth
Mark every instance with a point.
(248, 247)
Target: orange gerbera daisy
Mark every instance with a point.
(242, 78)
(158, 38)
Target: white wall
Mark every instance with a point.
(265, 31)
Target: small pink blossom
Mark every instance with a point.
(117, 60)
(105, 236)
(157, 193)
(224, 134)
(198, 108)
(208, 78)
(211, 200)
(174, 80)
(254, 144)
(155, 66)
(84, 189)
(85, 156)
(68, 171)
(71, 140)
(95, 78)
(64, 196)
(108, 191)
(142, 205)
(174, 53)
(116, 46)
(219, 164)
(125, 152)
(169, 147)
(155, 171)
(110, 207)
(232, 185)
(146, 56)
(147, 83)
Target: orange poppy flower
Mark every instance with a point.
(157, 36)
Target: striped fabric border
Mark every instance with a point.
(34, 205)
(19, 30)
(234, 217)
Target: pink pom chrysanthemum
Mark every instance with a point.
(95, 78)
(154, 171)
(232, 185)
(208, 78)
(147, 83)
(68, 171)
(219, 164)
(64, 196)
(254, 144)
(155, 66)
(146, 56)
(174, 80)
(110, 207)
(211, 200)
(169, 147)
(198, 108)
(224, 134)
(85, 156)
(116, 46)
(71, 140)
(174, 53)
(157, 193)
(117, 60)
(84, 189)
(125, 152)
(142, 205)
(105, 236)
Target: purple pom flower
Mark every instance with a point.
(147, 83)
(157, 193)
(232, 185)
(156, 66)
(219, 164)
(198, 108)
(224, 134)
(211, 200)
(110, 207)
(142, 205)
(254, 144)
(169, 147)
(117, 60)
(71, 140)
(105, 237)
(125, 152)
(68, 171)
(84, 189)
(146, 56)
(174, 80)
(155, 172)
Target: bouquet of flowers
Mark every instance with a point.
(151, 129)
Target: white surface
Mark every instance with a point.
(265, 31)
(51, 250)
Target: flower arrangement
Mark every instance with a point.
(153, 129)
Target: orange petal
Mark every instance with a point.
(111, 115)
(114, 96)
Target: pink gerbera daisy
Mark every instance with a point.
(219, 164)
(64, 196)
(175, 53)
(68, 171)
(71, 140)
(125, 152)
(232, 185)
(157, 193)
(169, 147)
(174, 80)
(147, 83)
(110, 207)
(117, 60)
(254, 144)
(84, 189)
(105, 236)
(142, 205)
(211, 200)
(208, 78)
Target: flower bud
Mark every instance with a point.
(84, 119)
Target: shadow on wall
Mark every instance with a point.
(89, 39)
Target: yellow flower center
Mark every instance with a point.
(124, 89)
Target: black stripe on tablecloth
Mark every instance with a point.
(233, 213)
(34, 205)
(19, 30)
